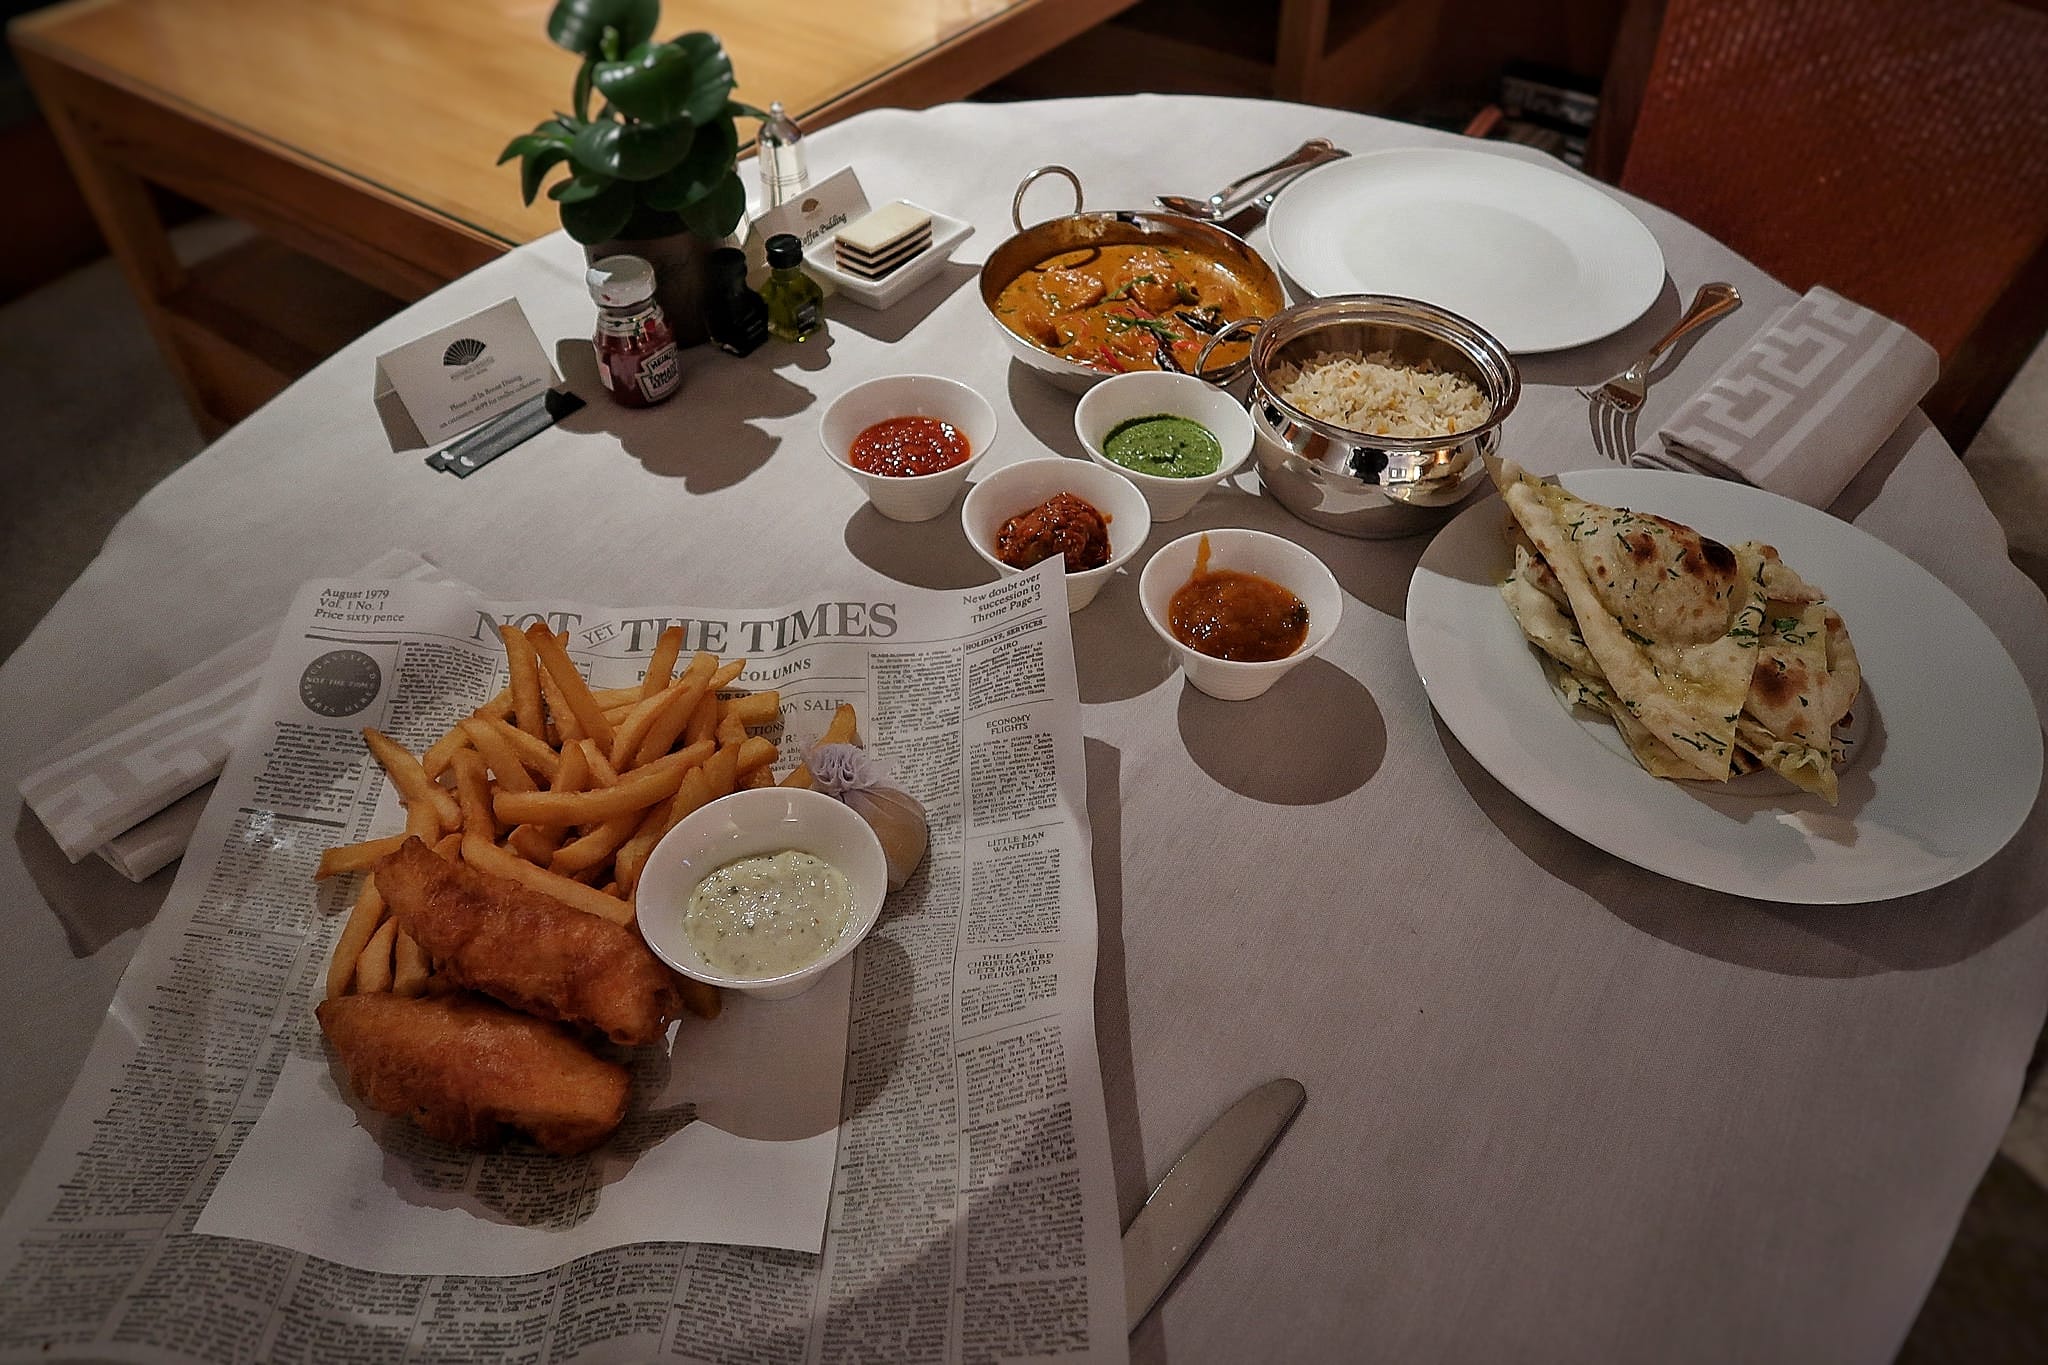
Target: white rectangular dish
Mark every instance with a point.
(886, 292)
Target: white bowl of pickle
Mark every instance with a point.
(1239, 608)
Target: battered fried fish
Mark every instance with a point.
(470, 1072)
(528, 950)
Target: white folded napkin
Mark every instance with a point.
(128, 785)
(1804, 405)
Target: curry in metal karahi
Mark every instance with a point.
(1130, 307)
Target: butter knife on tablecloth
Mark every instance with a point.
(1190, 1198)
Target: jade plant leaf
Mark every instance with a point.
(687, 78)
(719, 212)
(546, 147)
(596, 219)
(536, 166)
(580, 186)
(696, 175)
(631, 151)
(710, 75)
(579, 25)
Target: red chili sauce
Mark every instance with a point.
(1061, 525)
(901, 447)
(1231, 615)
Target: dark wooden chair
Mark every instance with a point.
(1893, 150)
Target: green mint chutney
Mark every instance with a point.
(1171, 447)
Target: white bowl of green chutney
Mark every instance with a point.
(1173, 435)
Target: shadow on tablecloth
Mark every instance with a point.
(922, 554)
(899, 320)
(94, 903)
(667, 439)
(1112, 992)
(1261, 749)
(1936, 928)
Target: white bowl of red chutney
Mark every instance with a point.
(1239, 608)
(908, 440)
(1092, 517)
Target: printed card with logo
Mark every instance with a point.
(452, 379)
(826, 207)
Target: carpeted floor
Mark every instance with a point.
(98, 421)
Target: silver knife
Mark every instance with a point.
(1190, 1198)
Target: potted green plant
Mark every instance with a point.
(653, 170)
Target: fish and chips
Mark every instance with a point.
(471, 1072)
(495, 935)
(528, 950)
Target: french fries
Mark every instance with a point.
(414, 786)
(523, 667)
(362, 922)
(662, 663)
(373, 968)
(569, 680)
(562, 788)
(842, 730)
(356, 857)
(629, 795)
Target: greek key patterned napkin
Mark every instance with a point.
(1805, 405)
(127, 787)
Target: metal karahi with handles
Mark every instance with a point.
(1357, 483)
(1081, 230)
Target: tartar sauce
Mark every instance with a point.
(768, 914)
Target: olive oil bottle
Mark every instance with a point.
(796, 305)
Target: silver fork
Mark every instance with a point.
(1626, 391)
(1614, 430)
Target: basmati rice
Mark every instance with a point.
(1377, 395)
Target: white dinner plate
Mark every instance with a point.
(1950, 754)
(1540, 259)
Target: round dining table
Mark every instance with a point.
(1559, 1108)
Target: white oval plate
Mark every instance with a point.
(1948, 767)
(1540, 259)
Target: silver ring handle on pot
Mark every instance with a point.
(1217, 338)
(1017, 199)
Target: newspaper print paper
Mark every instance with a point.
(971, 1214)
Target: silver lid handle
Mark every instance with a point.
(1217, 338)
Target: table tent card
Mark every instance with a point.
(458, 376)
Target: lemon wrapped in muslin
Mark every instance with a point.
(862, 781)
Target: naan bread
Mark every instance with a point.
(1671, 617)
(1711, 660)
(1573, 671)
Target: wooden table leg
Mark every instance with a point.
(128, 218)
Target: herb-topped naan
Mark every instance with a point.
(1712, 660)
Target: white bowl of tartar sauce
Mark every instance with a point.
(762, 891)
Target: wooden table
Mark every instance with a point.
(360, 138)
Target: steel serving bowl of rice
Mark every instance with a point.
(1373, 412)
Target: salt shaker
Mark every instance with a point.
(780, 144)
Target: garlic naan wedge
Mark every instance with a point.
(1804, 675)
(1572, 669)
(1671, 618)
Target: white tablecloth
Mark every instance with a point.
(1559, 1108)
